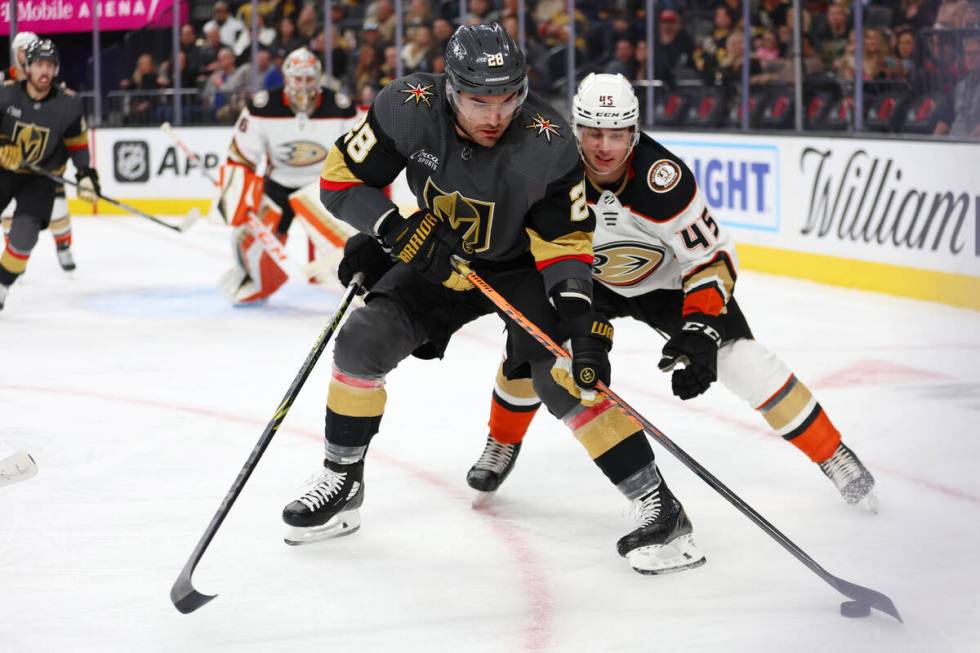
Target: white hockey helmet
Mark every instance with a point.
(19, 44)
(605, 101)
(302, 72)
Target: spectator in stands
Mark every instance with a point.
(222, 87)
(207, 61)
(730, 70)
(339, 57)
(710, 49)
(306, 23)
(439, 64)
(831, 37)
(191, 50)
(768, 49)
(382, 12)
(144, 78)
(965, 123)
(624, 60)
(950, 14)
(909, 60)
(233, 33)
(269, 77)
(673, 46)
(367, 72)
(266, 34)
(419, 12)
(878, 60)
(773, 13)
(372, 37)
(417, 52)
(479, 12)
(287, 38)
(970, 18)
(916, 14)
(389, 66)
(534, 53)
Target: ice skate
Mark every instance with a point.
(664, 542)
(853, 480)
(329, 508)
(65, 259)
(491, 469)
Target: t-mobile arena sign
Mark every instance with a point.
(55, 16)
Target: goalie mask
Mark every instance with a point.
(607, 102)
(302, 71)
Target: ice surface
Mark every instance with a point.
(140, 392)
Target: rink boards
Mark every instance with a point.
(899, 217)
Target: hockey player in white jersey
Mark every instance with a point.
(662, 258)
(286, 132)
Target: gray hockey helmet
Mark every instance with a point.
(485, 60)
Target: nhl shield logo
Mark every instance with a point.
(131, 161)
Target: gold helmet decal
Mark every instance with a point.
(462, 212)
(626, 263)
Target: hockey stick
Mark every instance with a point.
(185, 598)
(188, 152)
(17, 467)
(867, 597)
(184, 225)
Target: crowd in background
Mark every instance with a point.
(923, 45)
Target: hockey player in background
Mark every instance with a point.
(61, 220)
(500, 183)
(663, 259)
(286, 130)
(41, 124)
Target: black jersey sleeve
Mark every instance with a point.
(75, 138)
(560, 227)
(358, 166)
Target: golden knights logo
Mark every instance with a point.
(32, 139)
(460, 211)
(543, 126)
(626, 263)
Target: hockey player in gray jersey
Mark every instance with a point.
(662, 258)
(40, 124)
(500, 184)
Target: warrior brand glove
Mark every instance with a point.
(424, 242)
(695, 347)
(364, 254)
(88, 185)
(589, 336)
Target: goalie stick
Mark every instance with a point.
(184, 225)
(867, 597)
(17, 467)
(185, 598)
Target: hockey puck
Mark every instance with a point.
(854, 609)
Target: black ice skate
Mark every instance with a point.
(329, 507)
(65, 259)
(664, 541)
(853, 480)
(491, 469)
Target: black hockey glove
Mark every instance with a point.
(88, 185)
(426, 243)
(590, 336)
(695, 347)
(364, 254)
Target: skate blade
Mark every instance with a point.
(481, 498)
(677, 555)
(345, 523)
(868, 503)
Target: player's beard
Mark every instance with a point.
(41, 83)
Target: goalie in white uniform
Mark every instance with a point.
(286, 132)
(662, 258)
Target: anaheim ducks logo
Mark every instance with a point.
(663, 176)
(32, 139)
(626, 263)
(300, 154)
(462, 212)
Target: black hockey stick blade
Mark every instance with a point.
(865, 595)
(185, 598)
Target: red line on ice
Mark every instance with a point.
(537, 631)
